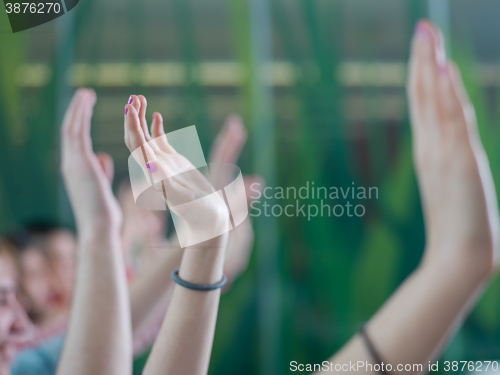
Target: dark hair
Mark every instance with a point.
(33, 234)
(44, 227)
(20, 239)
(7, 249)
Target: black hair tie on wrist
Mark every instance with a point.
(371, 349)
(199, 287)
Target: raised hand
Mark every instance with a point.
(172, 175)
(458, 196)
(87, 176)
(461, 220)
(226, 149)
(99, 338)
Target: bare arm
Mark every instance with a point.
(185, 340)
(461, 218)
(419, 319)
(152, 285)
(98, 339)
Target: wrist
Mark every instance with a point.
(476, 264)
(203, 263)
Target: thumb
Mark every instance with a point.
(107, 165)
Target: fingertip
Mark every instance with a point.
(427, 31)
(235, 122)
(70, 114)
(157, 125)
(92, 95)
(234, 118)
(237, 131)
(80, 91)
(133, 128)
(143, 104)
(142, 100)
(89, 97)
(158, 116)
(130, 110)
(84, 93)
(136, 103)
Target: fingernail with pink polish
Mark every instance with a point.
(126, 110)
(422, 31)
(152, 167)
(130, 99)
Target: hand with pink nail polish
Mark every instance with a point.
(458, 196)
(461, 221)
(174, 177)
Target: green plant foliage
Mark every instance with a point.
(375, 272)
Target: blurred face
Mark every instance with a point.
(38, 282)
(61, 248)
(13, 320)
(48, 279)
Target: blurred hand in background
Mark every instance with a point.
(87, 175)
(226, 149)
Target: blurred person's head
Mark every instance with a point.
(61, 247)
(47, 262)
(13, 319)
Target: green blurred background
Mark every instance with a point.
(320, 85)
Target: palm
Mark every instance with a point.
(87, 176)
(200, 213)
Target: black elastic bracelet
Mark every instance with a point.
(199, 287)
(371, 348)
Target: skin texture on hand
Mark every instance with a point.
(99, 338)
(87, 176)
(460, 212)
(454, 177)
(202, 213)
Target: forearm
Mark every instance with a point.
(151, 285)
(415, 323)
(98, 339)
(185, 341)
